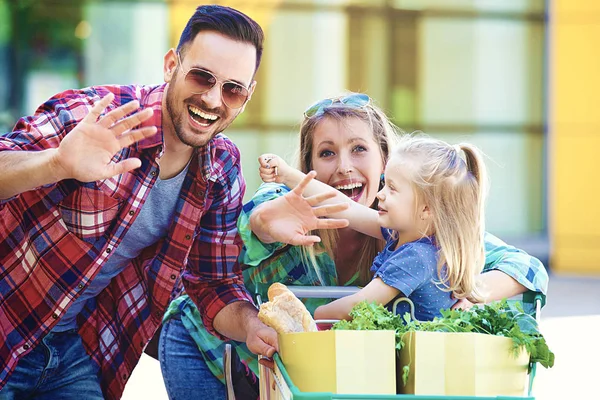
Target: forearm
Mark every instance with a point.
(338, 309)
(26, 170)
(235, 319)
(497, 285)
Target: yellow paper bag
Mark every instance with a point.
(349, 362)
(462, 364)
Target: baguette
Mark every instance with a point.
(284, 312)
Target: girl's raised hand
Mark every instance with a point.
(272, 168)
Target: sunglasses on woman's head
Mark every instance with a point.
(355, 100)
(200, 81)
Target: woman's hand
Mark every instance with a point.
(274, 169)
(289, 218)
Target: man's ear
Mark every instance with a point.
(250, 92)
(170, 65)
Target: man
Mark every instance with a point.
(100, 220)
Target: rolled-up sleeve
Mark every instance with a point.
(213, 277)
(48, 125)
(522, 267)
(254, 251)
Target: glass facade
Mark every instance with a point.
(459, 70)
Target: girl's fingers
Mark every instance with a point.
(265, 171)
(265, 159)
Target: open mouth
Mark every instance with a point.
(201, 118)
(352, 190)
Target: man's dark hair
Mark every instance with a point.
(226, 21)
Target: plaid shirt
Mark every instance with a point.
(265, 264)
(55, 239)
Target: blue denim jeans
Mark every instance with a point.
(57, 368)
(184, 370)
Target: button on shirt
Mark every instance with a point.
(149, 227)
(55, 239)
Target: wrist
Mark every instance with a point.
(250, 321)
(292, 177)
(55, 169)
(258, 225)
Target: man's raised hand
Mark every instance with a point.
(86, 152)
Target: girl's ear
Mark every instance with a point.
(425, 213)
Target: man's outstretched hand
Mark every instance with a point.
(86, 152)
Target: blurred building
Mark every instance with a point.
(460, 70)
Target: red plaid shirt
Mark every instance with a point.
(55, 239)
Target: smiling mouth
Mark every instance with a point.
(353, 190)
(201, 118)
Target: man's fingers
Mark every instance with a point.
(136, 135)
(267, 342)
(323, 211)
(132, 121)
(115, 115)
(124, 166)
(97, 109)
(304, 183)
(321, 197)
(332, 223)
(267, 362)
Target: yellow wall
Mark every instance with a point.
(574, 117)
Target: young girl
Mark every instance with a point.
(431, 217)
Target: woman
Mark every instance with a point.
(346, 140)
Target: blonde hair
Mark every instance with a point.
(385, 135)
(454, 188)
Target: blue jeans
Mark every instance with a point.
(184, 370)
(57, 368)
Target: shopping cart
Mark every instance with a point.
(276, 384)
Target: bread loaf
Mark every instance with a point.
(284, 312)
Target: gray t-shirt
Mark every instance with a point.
(412, 269)
(149, 227)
